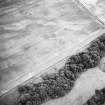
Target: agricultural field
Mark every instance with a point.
(40, 42)
(96, 7)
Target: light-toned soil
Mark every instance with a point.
(37, 35)
(96, 7)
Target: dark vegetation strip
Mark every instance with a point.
(97, 99)
(58, 84)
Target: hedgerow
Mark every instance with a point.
(97, 99)
(56, 85)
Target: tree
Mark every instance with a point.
(74, 59)
(93, 46)
(50, 76)
(102, 38)
(97, 99)
(101, 45)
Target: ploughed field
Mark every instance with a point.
(37, 34)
